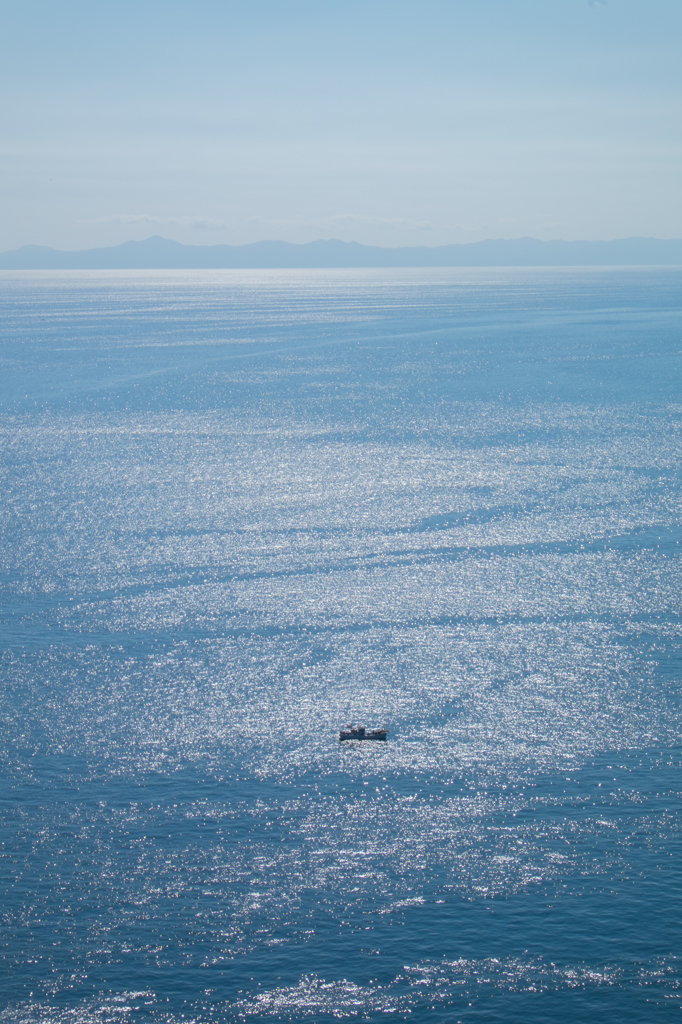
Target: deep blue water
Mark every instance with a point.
(241, 509)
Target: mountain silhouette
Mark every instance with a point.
(158, 253)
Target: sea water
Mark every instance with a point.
(242, 509)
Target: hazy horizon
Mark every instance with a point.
(158, 253)
(350, 241)
(381, 123)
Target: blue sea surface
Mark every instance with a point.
(241, 509)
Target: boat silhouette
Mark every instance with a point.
(352, 732)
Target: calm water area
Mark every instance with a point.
(241, 509)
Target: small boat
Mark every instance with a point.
(352, 732)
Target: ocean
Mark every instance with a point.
(242, 509)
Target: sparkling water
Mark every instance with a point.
(242, 509)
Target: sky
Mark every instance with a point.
(380, 121)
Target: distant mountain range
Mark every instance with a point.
(164, 254)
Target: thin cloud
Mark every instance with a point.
(149, 220)
(383, 222)
(345, 220)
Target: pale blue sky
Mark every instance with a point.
(383, 121)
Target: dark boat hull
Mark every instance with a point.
(363, 734)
